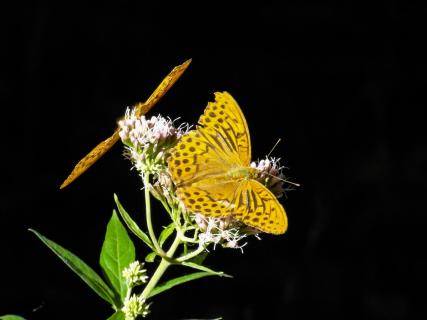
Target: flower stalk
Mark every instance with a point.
(153, 237)
(164, 264)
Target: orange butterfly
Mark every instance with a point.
(210, 167)
(141, 108)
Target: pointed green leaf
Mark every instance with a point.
(150, 257)
(164, 235)
(132, 224)
(86, 273)
(118, 315)
(177, 281)
(11, 317)
(117, 253)
(205, 269)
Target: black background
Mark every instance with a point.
(341, 84)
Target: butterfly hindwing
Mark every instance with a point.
(258, 207)
(246, 200)
(210, 198)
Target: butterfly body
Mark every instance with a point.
(210, 167)
(241, 173)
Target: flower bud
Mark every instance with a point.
(135, 306)
(134, 274)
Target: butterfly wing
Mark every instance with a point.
(223, 119)
(258, 207)
(195, 159)
(246, 200)
(220, 144)
(141, 108)
(164, 86)
(201, 162)
(210, 198)
(91, 158)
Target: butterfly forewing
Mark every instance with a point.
(164, 86)
(226, 127)
(194, 159)
(220, 144)
(91, 158)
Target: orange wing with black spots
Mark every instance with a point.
(258, 207)
(141, 108)
(224, 125)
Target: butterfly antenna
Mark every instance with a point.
(274, 147)
(292, 183)
(284, 180)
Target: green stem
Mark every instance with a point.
(164, 264)
(165, 205)
(128, 293)
(183, 237)
(192, 254)
(148, 215)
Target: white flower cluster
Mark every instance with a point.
(224, 231)
(148, 139)
(134, 274)
(135, 306)
(142, 132)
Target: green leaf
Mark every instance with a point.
(150, 257)
(180, 280)
(86, 273)
(119, 315)
(11, 317)
(117, 253)
(132, 224)
(205, 269)
(165, 234)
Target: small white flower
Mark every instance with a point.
(235, 245)
(135, 274)
(143, 132)
(135, 306)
